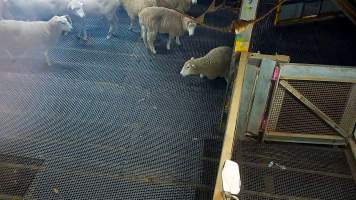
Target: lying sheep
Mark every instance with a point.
(180, 5)
(134, 7)
(107, 8)
(155, 20)
(213, 65)
(18, 38)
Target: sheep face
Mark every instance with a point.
(190, 25)
(63, 23)
(190, 68)
(76, 7)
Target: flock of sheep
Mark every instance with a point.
(155, 16)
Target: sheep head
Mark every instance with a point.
(77, 8)
(61, 23)
(189, 24)
(190, 68)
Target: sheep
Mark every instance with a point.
(45, 9)
(106, 8)
(21, 37)
(213, 65)
(35, 9)
(155, 20)
(179, 5)
(134, 7)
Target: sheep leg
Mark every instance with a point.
(151, 37)
(132, 22)
(48, 62)
(178, 41)
(82, 34)
(169, 42)
(113, 20)
(144, 35)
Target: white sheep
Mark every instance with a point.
(134, 7)
(213, 65)
(180, 5)
(18, 38)
(45, 9)
(107, 8)
(35, 9)
(155, 20)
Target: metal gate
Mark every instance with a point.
(300, 103)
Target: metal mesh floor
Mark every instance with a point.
(110, 121)
(311, 172)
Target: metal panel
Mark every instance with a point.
(246, 100)
(318, 73)
(263, 86)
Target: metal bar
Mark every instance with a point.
(316, 110)
(246, 100)
(263, 86)
(277, 58)
(248, 12)
(305, 138)
(318, 73)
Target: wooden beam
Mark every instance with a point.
(248, 12)
(315, 109)
(277, 58)
(229, 139)
(318, 73)
(348, 9)
(305, 138)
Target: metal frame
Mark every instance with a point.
(317, 73)
(304, 19)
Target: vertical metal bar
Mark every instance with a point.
(263, 86)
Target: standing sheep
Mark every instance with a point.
(19, 37)
(134, 7)
(155, 20)
(83, 8)
(213, 65)
(45, 9)
(180, 5)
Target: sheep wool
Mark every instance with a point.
(134, 7)
(20, 37)
(213, 65)
(155, 20)
(180, 5)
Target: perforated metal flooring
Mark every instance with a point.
(110, 121)
(311, 172)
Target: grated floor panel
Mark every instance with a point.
(109, 120)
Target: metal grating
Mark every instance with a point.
(289, 115)
(111, 121)
(312, 172)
